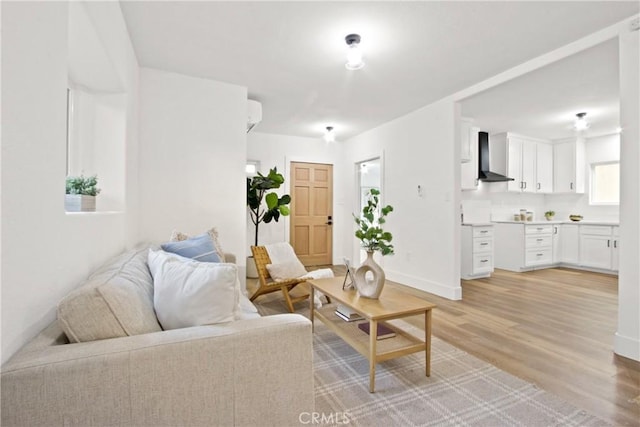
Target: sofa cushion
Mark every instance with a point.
(115, 301)
(191, 293)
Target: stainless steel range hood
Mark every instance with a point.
(484, 173)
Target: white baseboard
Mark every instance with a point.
(452, 293)
(627, 347)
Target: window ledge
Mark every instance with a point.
(94, 213)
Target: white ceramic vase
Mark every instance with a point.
(369, 288)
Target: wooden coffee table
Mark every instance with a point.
(392, 304)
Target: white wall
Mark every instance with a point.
(418, 150)
(45, 252)
(279, 151)
(627, 341)
(192, 158)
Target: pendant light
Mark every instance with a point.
(354, 52)
(329, 134)
(581, 122)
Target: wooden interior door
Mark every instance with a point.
(311, 231)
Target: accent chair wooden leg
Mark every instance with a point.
(287, 298)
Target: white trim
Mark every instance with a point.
(627, 347)
(452, 293)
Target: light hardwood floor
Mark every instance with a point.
(551, 327)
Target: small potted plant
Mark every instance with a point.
(81, 193)
(372, 238)
(549, 215)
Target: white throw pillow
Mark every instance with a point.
(286, 270)
(191, 293)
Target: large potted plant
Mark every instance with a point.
(81, 193)
(265, 205)
(372, 238)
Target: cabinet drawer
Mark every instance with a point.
(482, 263)
(541, 241)
(538, 257)
(539, 229)
(481, 245)
(597, 230)
(482, 231)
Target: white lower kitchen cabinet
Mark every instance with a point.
(599, 247)
(522, 246)
(556, 254)
(615, 260)
(570, 244)
(525, 246)
(477, 251)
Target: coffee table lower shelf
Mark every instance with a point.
(374, 350)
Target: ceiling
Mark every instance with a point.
(544, 103)
(290, 55)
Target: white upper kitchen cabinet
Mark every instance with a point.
(568, 166)
(465, 140)
(469, 169)
(521, 154)
(544, 168)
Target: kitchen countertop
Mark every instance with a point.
(478, 224)
(586, 222)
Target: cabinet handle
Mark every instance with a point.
(483, 244)
(608, 243)
(483, 231)
(538, 240)
(539, 186)
(484, 260)
(555, 230)
(540, 228)
(525, 184)
(539, 254)
(571, 186)
(615, 243)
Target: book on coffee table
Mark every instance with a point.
(347, 314)
(383, 330)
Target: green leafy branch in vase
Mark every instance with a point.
(370, 232)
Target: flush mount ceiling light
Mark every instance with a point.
(354, 52)
(581, 122)
(329, 134)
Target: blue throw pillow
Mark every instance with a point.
(199, 248)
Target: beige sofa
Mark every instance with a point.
(255, 371)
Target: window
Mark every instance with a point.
(605, 183)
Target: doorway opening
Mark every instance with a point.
(369, 176)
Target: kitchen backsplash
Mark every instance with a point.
(504, 205)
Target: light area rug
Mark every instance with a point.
(461, 391)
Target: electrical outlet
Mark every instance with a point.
(634, 25)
